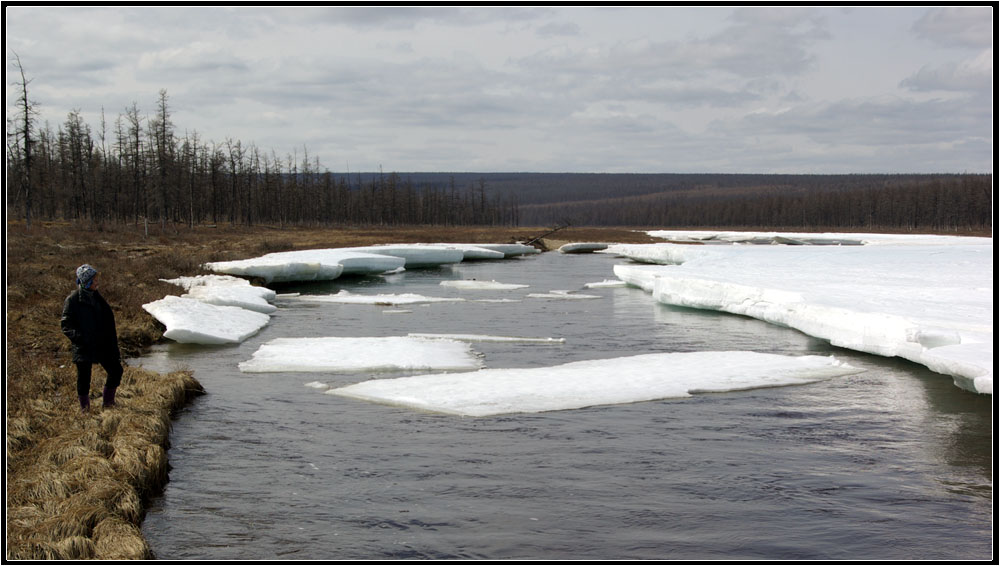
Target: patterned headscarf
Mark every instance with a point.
(85, 275)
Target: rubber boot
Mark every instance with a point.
(109, 396)
(84, 403)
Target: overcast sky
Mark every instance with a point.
(546, 89)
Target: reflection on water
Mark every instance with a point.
(890, 464)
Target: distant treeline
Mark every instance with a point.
(940, 202)
(142, 170)
(139, 169)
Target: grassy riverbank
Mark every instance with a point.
(77, 484)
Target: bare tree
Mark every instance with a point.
(26, 111)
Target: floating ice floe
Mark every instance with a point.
(346, 297)
(347, 355)
(486, 338)
(560, 294)
(475, 285)
(582, 247)
(197, 322)
(597, 382)
(928, 299)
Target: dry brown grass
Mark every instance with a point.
(77, 483)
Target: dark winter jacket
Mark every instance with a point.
(89, 323)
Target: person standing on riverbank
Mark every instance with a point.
(89, 323)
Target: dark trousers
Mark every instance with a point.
(113, 367)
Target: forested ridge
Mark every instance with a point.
(139, 168)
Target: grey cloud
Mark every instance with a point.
(958, 26)
(760, 43)
(558, 30)
(877, 122)
(973, 75)
(407, 17)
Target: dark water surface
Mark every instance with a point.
(894, 463)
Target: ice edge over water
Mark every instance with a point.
(926, 299)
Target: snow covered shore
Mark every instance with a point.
(928, 299)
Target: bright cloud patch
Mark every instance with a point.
(597, 382)
(346, 355)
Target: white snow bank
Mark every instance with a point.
(474, 285)
(928, 299)
(346, 297)
(332, 354)
(597, 382)
(486, 338)
(193, 321)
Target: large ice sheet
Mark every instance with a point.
(598, 382)
(277, 270)
(352, 261)
(345, 355)
(416, 255)
(331, 263)
(197, 322)
(928, 299)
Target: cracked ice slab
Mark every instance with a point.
(195, 322)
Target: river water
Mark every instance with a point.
(893, 463)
